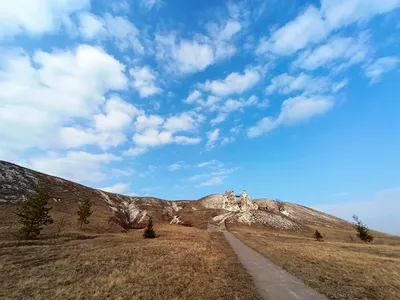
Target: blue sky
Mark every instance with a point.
(297, 100)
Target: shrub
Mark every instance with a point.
(149, 233)
(362, 230)
(318, 236)
(280, 205)
(84, 212)
(33, 213)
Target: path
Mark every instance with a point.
(272, 282)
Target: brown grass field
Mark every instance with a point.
(340, 267)
(182, 263)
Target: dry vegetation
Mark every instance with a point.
(340, 267)
(182, 263)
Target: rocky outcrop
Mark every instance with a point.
(176, 220)
(245, 202)
(218, 201)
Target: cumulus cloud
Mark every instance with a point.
(234, 83)
(119, 29)
(305, 29)
(51, 89)
(314, 25)
(153, 130)
(232, 105)
(377, 68)
(144, 81)
(193, 97)
(287, 84)
(293, 111)
(118, 188)
(37, 17)
(74, 165)
(185, 56)
(344, 50)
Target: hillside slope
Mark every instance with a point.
(17, 182)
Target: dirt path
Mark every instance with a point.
(272, 282)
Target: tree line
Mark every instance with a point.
(34, 213)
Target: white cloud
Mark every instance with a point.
(153, 131)
(174, 167)
(212, 178)
(348, 51)
(144, 80)
(212, 137)
(152, 137)
(215, 180)
(287, 84)
(152, 121)
(339, 13)
(136, 151)
(71, 137)
(184, 56)
(92, 26)
(193, 97)
(74, 165)
(305, 29)
(382, 65)
(52, 89)
(314, 25)
(293, 111)
(117, 115)
(234, 83)
(232, 105)
(118, 188)
(37, 17)
(119, 29)
(185, 140)
(182, 122)
(211, 164)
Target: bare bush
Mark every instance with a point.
(280, 205)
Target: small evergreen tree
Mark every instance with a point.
(33, 213)
(362, 230)
(318, 236)
(84, 212)
(149, 232)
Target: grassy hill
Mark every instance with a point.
(105, 260)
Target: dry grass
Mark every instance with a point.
(182, 263)
(336, 267)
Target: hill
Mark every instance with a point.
(17, 182)
(183, 262)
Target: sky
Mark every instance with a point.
(296, 100)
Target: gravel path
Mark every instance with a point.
(272, 282)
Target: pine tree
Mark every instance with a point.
(149, 232)
(33, 213)
(362, 230)
(318, 236)
(84, 212)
